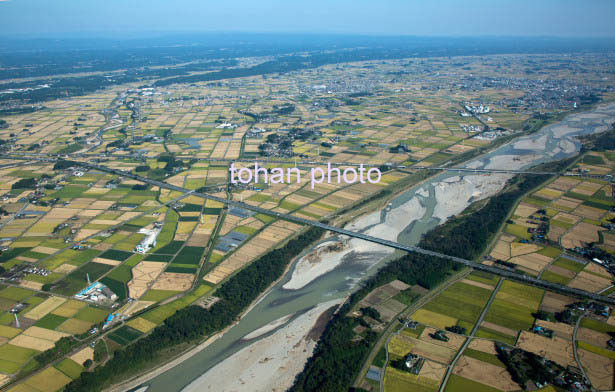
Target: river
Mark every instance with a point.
(266, 349)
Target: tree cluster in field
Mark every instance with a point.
(24, 183)
(525, 366)
(194, 322)
(63, 164)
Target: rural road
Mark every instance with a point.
(469, 339)
(386, 336)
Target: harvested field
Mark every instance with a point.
(595, 338)
(533, 261)
(548, 193)
(561, 330)
(107, 261)
(561, 271)
(32, 342)
(83, 355)
(564, 183)
(44, 249)
(499, 328)
(428, 350)
(553, 302)
(44, 333)
(501, 250)
(31, 285)
(566, 218)
(580, 235)
(555, 232)
(596, 269)
(599, 369)
(518, 248)
(141, 324)
(252, 249)
(556, 349)
(589, 212)
(47, 306)
(143, 274)
(379, 295)
(486, 346)
(590, 282)
(390, 309)
(525, 210)
(455, 341)
(485, 373)
(433, 370)
(173, 281)
(478, 284)
(567, 203)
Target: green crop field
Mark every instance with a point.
(486, 333)
(484, 277)
(461, 384)
(170, 249)
(485, 357)
(568, 264)
(159, 257)
(14, 356)
(597, 325)
(519, 290)
(71, 368)
(114, 254)
(159, 314)
(124, 335)
(92, 315)
(158, 295)
(399, 381)
(50, 321)
(15, 293)
(461, 301)
(555, 278)
(509, 315)
(518, 231)
(550, 251)
(119, 288)
(189, 255)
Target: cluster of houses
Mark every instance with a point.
(19, 271)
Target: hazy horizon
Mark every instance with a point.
(443, 18)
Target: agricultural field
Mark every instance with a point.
(548, 233)
(508, 320)
(85, 250)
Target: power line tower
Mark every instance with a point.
(17, 324)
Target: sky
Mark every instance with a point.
(561, 18)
